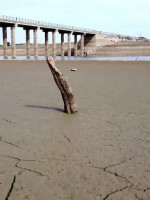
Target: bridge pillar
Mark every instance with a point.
(5, 42)
(13, 45)
(75, 45)
(46, 43)
(69, 44)
(35, 44)
(28, 43)
(62, 45)
(54, 43)
(82, 45)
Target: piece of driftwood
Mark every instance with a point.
(66, 92)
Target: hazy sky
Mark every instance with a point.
(130, 17)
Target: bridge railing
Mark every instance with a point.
(46, 24)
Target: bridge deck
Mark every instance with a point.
(20, 22)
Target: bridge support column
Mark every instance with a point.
(5, 42)
(28, 43)
(13, 45)
(35, 44)
(54, 44)
(69, 44)
(75, 45)
(62, 45)
(82, 45)
(46, 43)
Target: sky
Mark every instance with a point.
(129, 17)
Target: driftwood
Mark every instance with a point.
(66, 92)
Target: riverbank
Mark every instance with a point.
(100, 153)
(126, 48)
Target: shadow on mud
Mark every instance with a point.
(44, 107)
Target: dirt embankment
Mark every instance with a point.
(124, 49)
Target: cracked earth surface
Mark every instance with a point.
(100, 153)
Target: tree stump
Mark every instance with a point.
(66, 92)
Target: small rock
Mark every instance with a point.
(74, 70)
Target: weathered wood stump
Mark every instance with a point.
(66, 92)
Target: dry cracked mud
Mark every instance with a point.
(100, 153)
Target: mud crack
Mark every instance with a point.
(105, 169)
(110, 123)
(2, 140)
(141, 189)
(119, 176)
(114, 192)
(23, 168)
(11, 188)
(67, 139)
(129, 185)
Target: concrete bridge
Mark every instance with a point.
(87, 36)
